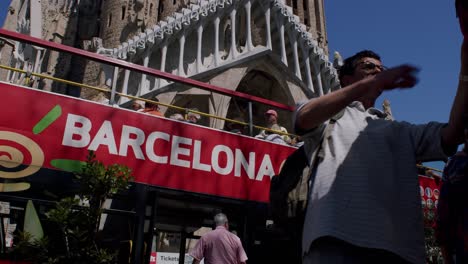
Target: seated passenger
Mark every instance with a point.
(236, 127)
(273, 137)
(193, 117)
(152, 108)
(137, 105)
(271, 117)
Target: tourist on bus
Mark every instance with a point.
(271, 119)
(235, 127)
(137, 105)
(152, 108)
(219, 246)
(193, 117)
(364, 204)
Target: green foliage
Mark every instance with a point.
(99, 180)
(433, 251)
(76, 227)
(29, 247)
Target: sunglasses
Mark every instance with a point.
(369, 66)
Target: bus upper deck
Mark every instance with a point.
(183, 172)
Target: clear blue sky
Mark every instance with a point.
(4, 4)
(421, 32)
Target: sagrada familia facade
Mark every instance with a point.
(276, 49)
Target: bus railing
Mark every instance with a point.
(132, 97)
(119, 64)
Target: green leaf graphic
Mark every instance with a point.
(48, 119)
(68, 165)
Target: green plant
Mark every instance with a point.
(433, 251)
(73, 239)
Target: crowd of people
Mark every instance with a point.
(152, 108)
(363, 201)
(273, 131)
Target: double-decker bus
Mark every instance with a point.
(183, 173)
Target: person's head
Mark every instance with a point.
(296, 140)
(360, 66)
(221, 220)
(271, 117)
(236, 127)
(151, 105)
(193, 117)
(137, 105)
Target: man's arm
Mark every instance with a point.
(241, 256)
(318, 110)
(452, 135)
(197, 252)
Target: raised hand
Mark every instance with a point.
(403, 76)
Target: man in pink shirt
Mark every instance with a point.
(219, 246)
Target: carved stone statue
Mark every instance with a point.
(387, 109)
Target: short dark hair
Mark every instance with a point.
(151, 104)
(349, 64)
(220, 219)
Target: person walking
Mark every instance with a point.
(363, 204)
(219, 246)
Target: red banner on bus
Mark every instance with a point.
(41, 129)
(429, 189)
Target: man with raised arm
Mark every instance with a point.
(364, 204)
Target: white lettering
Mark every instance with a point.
(196, 157)
(177, 150)
(266, 168)
(104, 136)
(249, 167)
(215, 159)
(151, 143)
(72, 129)
(164, 148)
(135, 143)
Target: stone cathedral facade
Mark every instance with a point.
(276, 49)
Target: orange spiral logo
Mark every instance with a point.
(14, 157)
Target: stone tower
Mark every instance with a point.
(119, 20)
(122, 19)
(312, 14)
(168, 7)
(97, 25)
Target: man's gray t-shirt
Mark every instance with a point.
(365, 189)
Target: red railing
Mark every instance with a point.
(138, 68)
